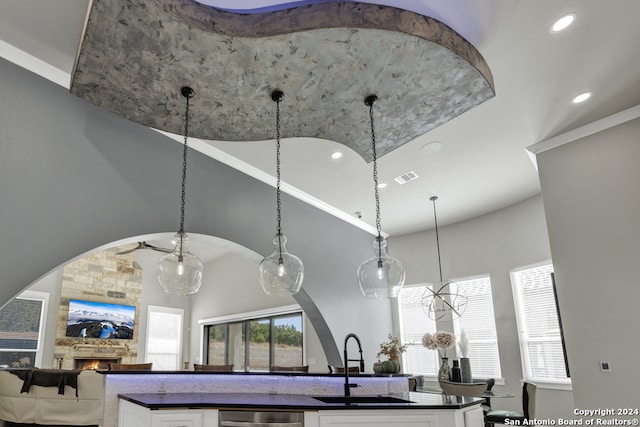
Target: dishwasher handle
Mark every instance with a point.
(258, 424)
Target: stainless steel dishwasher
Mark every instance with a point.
(260, 419)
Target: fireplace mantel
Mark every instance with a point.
(100, 348)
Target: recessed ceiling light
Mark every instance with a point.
(336, 155)
(581, 98)
(563, 22)
(431, 147)
(382, 185)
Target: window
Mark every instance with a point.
(255, 341)
(22, 329)
(477, 321)
(479, 325)
(539, 328)
(414, 322)
(164, 337)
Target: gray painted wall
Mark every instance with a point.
(235, 278)
(74, 177)
(492, 244)
(591, 197)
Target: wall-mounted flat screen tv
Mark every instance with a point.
(92, 319)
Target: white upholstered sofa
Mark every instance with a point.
(43, 405)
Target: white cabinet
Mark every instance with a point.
(177, 419)
(378, 418)
(468, 417)
(132, 415)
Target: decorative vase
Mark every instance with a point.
(444, 374)
(465, 368)
(456, 372)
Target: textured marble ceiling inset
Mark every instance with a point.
(135, 55)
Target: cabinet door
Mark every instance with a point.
(380, 419)
(177, 419)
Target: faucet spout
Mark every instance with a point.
(347, 386)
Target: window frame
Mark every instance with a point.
(37, 296)
(525, 359)
(444, 324)
(498, 376)
(166, 310)
(401, 327)
(271, 313)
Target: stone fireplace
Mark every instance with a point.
(94, 364)
(102, 277)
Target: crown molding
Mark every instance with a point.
(586, 130)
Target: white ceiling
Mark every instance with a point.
(482, 165)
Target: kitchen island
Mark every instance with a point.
(200, 409)
(193, 399)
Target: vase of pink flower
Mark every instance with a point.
(441, 341)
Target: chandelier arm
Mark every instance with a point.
(437, 295)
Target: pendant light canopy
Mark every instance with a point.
(380, 276)
(280, 273)
(180, 272)
(444, 297)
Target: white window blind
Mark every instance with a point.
(479, 325)
(164, 338)
(539, 329)
(413, 324)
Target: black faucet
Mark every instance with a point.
(347, 386)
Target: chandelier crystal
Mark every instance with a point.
(380, 276)
(180, 272)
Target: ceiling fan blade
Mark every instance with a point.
(144, 245)
(127, 251)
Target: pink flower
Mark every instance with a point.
(445, 340)
(429, 341)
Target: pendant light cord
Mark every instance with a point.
(184, 165)
(188, 93)
(277, 96)
(435, 219)
(369, 101)
(278, 202)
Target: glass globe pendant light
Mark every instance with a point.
(445, 297)
(380, 276)
(280, 273)
(180, 272)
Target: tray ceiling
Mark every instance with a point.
(135, 56)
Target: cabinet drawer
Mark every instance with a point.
(193, 419)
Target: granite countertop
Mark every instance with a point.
(288, 401)
(252, 373)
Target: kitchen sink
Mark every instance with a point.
(360, 399)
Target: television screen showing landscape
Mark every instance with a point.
(90, 319)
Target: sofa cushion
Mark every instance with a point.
(43, 405)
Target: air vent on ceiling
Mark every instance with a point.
(406, 177)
